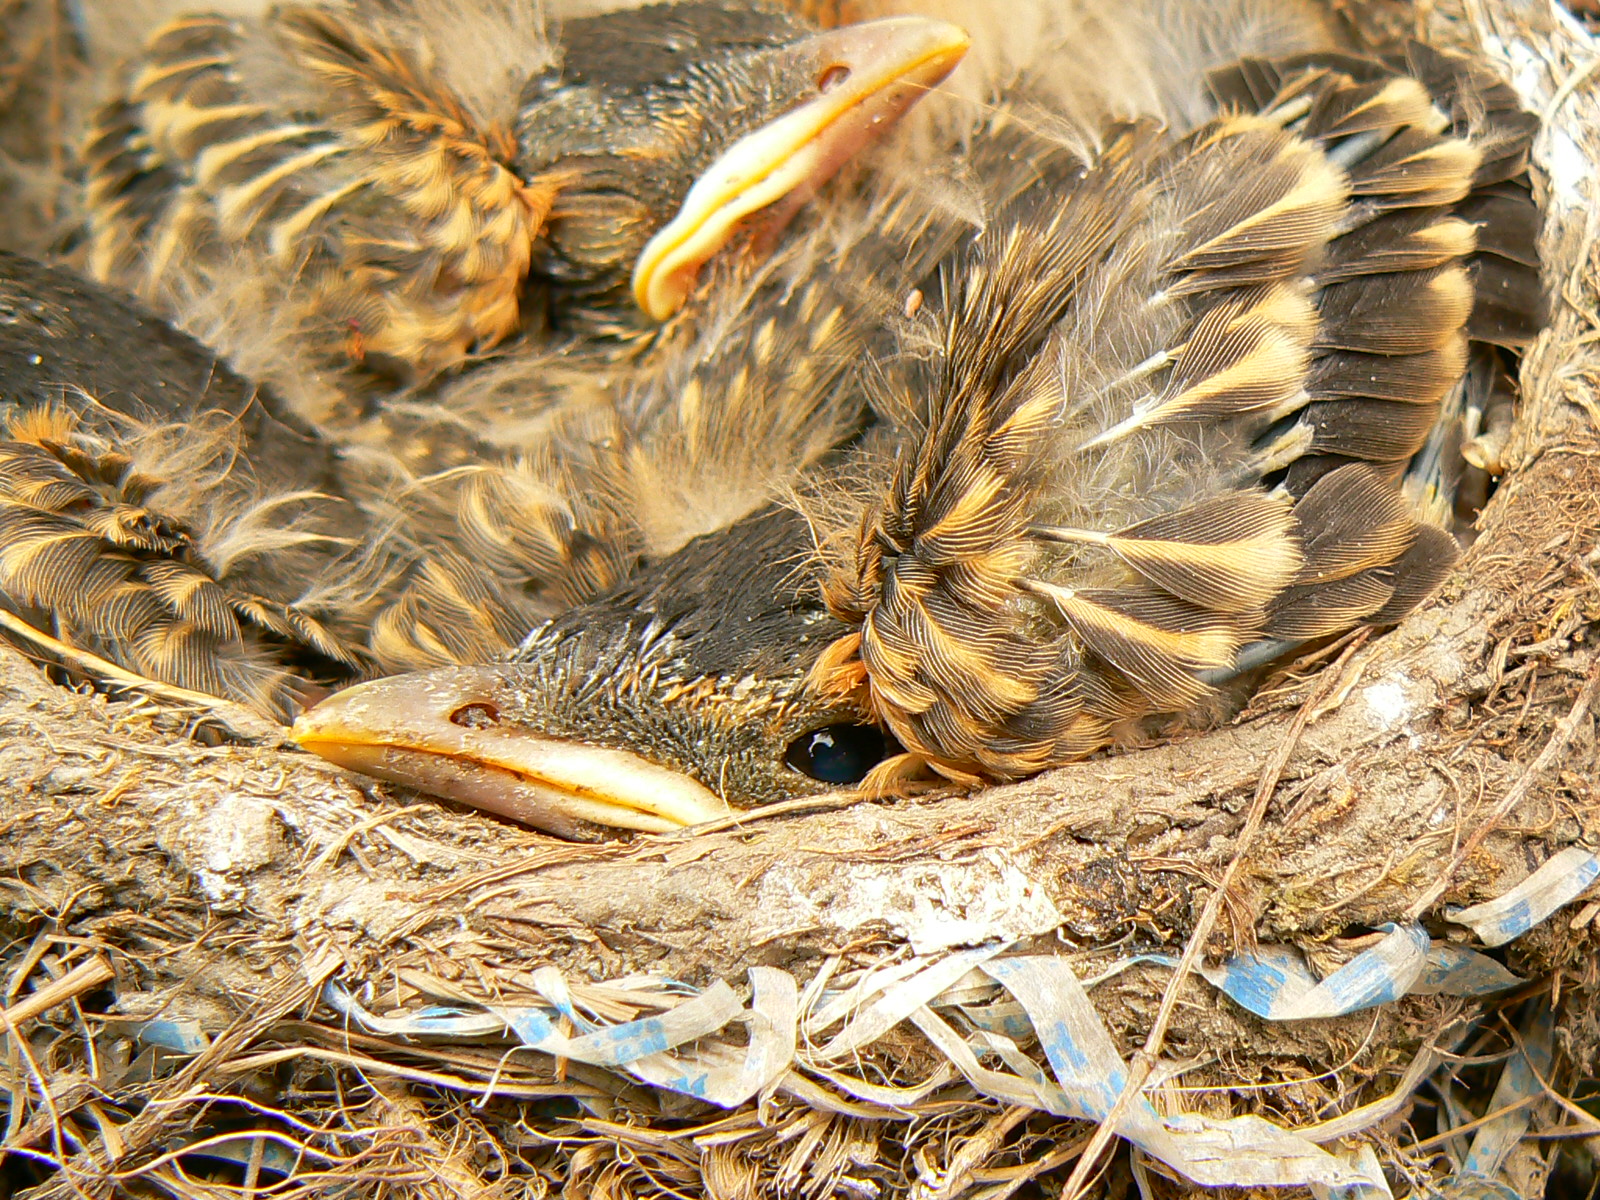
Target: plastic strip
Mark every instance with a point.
(1243, 1151)
(184, 1036)
(1560, 881)
(1276, 983)
(1458, 971)
(716, 1074)
(1036, 997)
(1029, 1087)
(1519, 1081)
(723, 1075)
(437, 1022)
(889, 1008)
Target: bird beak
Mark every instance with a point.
(867, 76)
(441, 732)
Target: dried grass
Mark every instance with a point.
(149, 876)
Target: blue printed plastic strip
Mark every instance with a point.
(718, 1073)
(1560, 881)
(1089, 1075)
(1275, 982)
(435, 1022)
(1458, 971)
(1519, 1081)
(729, 1075)
(624, 1044)
(1280, 988)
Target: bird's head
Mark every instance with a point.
(684, 692)
(673, 127)
(669, 702)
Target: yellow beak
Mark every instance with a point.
(868, 76)
(440, 732)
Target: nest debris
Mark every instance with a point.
(181, 888)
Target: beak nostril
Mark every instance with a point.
(478, 715)
(832, 77)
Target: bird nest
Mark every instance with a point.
(1296, 952)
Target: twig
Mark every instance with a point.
(976, 1149)
(1032, 1170)
(1566, 728)
(783, 808)
(1437, 1139)
(84, 977)
(377, 1066)
(1145, 1060)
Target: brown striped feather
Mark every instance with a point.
(84, 543)
(1299, 298)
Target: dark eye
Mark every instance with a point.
(837, 753)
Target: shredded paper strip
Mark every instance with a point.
(1005, 1001)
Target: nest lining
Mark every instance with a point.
(178, 894)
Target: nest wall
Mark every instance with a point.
(187, 898)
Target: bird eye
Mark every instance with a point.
(837, 753)
(832, 77)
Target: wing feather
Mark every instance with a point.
(1228, 347)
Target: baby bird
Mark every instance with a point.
(158, 511)
(393, 188)
(1159, 420)
(406, 185)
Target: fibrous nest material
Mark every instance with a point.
(196, 916)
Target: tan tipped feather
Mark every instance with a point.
(1228, 554)
(1291, 295)
(90, 540)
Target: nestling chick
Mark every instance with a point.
(131, 524)
(159, 512)
(400, 186)
(1154, 419)
(418, 183)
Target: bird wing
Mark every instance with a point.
(1167, 411)
(158, 511)
(331, 151)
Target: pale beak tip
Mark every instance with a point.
(894, 52)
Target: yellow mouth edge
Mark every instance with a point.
(725, 194)
(399, 729)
